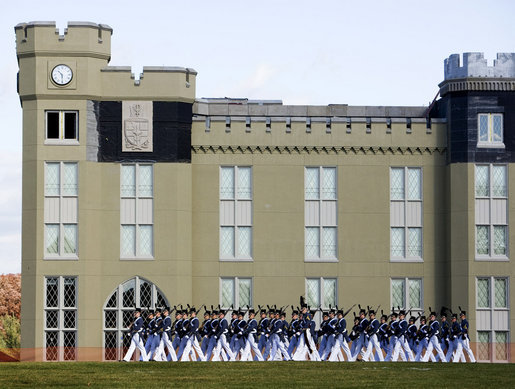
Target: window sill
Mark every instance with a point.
(236, 260)
(59, 142)
(137, 258)
(411, 260)
(492, 259)
(60, 258)
(491, 145)
(322, 260)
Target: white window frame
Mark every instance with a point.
(61, 255)
(490, 143)
(61, 140)
(238, 257)
(492, 256)
(236, 292)
(406, 227)
(137, 225)
(493, 312)
(119, 310)
(321, 226)
(321, 280)
(60, 312)
(406, 280)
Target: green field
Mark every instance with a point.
(257, 374)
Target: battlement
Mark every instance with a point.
(475, 66)
(79, 38)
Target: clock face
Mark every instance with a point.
(62, 74)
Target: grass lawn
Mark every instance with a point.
(256, 374)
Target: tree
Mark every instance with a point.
(10, 294)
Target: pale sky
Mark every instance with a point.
(301, 52)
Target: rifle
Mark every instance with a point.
(348, 310)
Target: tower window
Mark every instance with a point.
(490, 130)
(62, 125)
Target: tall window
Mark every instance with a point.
(236, 213)
(491, 207)
(60, 215)
(492, 318)
(60, 321)
(236, 292)
(137, 211)
(321, 292)
(406, 293)
(490, 130)
(406, 214)
(119, 313)
(62, 126)
(320, 214)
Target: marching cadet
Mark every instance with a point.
(341, 340)
(268, 343)
(373, 341)
(177, 328)
(453, 337)
(223, 330)
(182, 333)
(250, 335)
(445, 331)
(262, 329)
(434, 340)
(148, 333)
(205, 330)
(277, 340)
(192, 337)
(392, 333)
(166, 328)
(233, 331)
(322, 333)
(239, 335)
(155, 351)
(402, 341)
(213, 338)
(382, 333)
(411, 333)
(330, 334)
(361, 340)
(294, 331)
(463, 340)
(421, 338)
(136, 330)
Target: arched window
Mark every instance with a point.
(118, 313)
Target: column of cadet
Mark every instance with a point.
(392, 337)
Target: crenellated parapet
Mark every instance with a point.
(475, 65)
(85, 49)
(78, 39)
(474, 74)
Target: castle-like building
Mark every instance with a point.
(138, 193)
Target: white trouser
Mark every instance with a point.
(136, 342)
(165, 342)
(434, 343)
(336, 351)
(453, 343)
(329, 344)
(463, 344)
(190, 346)
(391, 347)
(251, 344)
(402, 343)
(373, 343)
(357, 347)
(278, 348)
(222, 343)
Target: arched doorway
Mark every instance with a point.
(118, 313)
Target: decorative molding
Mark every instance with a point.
(319, 150)
(137, 126)
(477, 84)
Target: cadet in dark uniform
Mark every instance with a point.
(136, 329)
